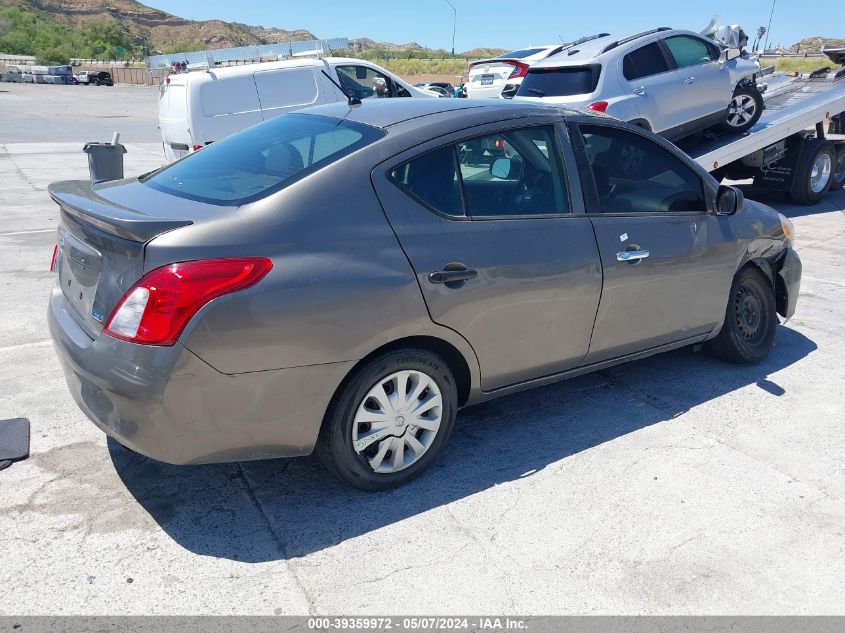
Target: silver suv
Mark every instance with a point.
(669, 81)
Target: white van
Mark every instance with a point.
(200, 107)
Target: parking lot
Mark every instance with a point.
(673, 485)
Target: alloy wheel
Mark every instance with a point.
(397, 420)
(820, 173)
(741, 110)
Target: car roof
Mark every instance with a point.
(222, 72)
(595, 48)
(384, 113)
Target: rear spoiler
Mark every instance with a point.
(78, 199)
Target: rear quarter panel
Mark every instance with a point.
(340, 286)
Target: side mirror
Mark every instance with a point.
(729, 54)
(729, 200)
(501, 168)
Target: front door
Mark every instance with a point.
(487, 225)
(668, 262)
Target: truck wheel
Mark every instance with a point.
(390, 420)
(750, 320)
(813, 177)
(838, 170)
(744, 110)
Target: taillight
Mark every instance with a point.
(53, 258)
(198, 147)
(519, 70)
(598, 106)
(156, 309)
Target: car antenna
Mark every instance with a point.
(349, 98)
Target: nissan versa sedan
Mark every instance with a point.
(344, 279)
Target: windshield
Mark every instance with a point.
(564, 81)
(262, 159)
(525, 52)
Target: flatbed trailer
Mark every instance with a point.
(788, 149)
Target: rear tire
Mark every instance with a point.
(814, 176)
(838, 170)
(748, 332)
(382, 399)
(744, 110)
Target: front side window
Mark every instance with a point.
(689, 51)
(510, 173)
(646, 61)
(633, 174)
(262, 159)
(364, 82)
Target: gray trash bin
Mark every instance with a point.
(105, 161)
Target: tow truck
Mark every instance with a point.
(788, 149)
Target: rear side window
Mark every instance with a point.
(560, 82)
(433, 179)
(262, 159)
(644, 62)
(689, 51)
(501, 175)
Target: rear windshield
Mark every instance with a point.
(262, 159)
(525, 52)
(560, 82)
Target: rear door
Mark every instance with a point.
(668, 261)
(659, 90)
(500, 252)
(707, 88)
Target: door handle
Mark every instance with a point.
(631, 256)
(689, 80)
(449, 276)
(639, 91)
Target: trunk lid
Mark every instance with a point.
(101, 240)
(491, 72)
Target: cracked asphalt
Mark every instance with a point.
(672, 485)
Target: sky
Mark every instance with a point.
(498, 24)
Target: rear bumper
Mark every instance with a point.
(166, 403)
(788, 283)
(484, 92)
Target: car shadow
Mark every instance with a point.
(282, 509)
(780, 201)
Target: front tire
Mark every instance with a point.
(748, 332)
(390, 420)
(744, 110)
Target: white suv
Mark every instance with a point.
(501, 76)
(670, 81)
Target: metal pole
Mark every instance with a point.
(454, 25)
(769, 29)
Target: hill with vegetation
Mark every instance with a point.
(56, 30)
(814, 44)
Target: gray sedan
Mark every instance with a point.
(344, 279)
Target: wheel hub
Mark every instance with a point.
(741, 110)
(820, 174)
(749, 314)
